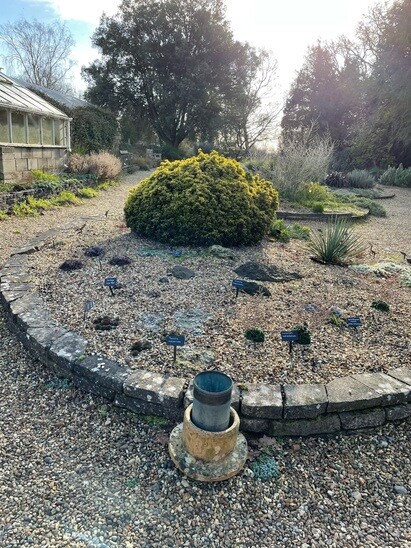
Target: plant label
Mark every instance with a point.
(354, 321)
(238, 284)
(290, 337)
(174, 341)
(110, 283)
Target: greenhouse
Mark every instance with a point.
(33, 133)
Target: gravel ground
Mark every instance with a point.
(77, 472)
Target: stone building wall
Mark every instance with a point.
(17, 162)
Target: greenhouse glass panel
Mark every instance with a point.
(34, 129)
(4, 129)
(59, 127)
(19, 130)
(47, 131)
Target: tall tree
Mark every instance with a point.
(38, 52)
(174, 59)
(325, 95)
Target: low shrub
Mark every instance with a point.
(317, 207)
(78, 163)
(66, 198)
(382, 306)
(104, 166)
(43, 176)
(284, 233)
(375, 209)
(309, 193)
(3, 215)
(203, 200)
(336, 244)
(397, 177)
(101, 166)
(255, 335)
(87, 192)
(360, 178)
(336, 179)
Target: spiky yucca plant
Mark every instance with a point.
(336, 244)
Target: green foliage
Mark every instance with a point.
(304, 334)
(3, 215)
(265, 467)
(66, 198)
(93, 129)
(375, 209)
(309, 193)
(382, 306)
(203, 200)
(396, 177)
(360, 178)
(254, 335)
(23, 209)
(336, 244)
(87, 192)
(154, 420)
(284, 233)
(40, 176)
(317, 207)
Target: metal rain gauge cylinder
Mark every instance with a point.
(212, 400)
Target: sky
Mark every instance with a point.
(286, 28)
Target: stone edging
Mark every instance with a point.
(307, 216)
(344, 404)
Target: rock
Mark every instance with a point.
(182, 272)
(356, 495)
(152, 322)
(336, 311)
(191, 319)
(222, 252)
(198, 359)
(164, 280)
(265, 273)
(400, 490)
(71, 264)
(94, 251)
(119, 261)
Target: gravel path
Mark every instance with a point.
(77, 472)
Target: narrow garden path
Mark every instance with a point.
(78, 472)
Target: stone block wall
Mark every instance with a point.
(345, 404)
(17, 162)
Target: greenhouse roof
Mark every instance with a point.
(67, 100)
(16, 97)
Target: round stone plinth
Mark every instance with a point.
(209, 446)
(199, 470)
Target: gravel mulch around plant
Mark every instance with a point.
(77, 472)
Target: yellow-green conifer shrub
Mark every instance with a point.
(203, 200)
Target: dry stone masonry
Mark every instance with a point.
(350, 403)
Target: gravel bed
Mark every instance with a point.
(152, 303)
(78, 472)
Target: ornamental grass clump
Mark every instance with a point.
(203, 200)
(336, 244)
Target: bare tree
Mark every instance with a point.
(38, 52)
(253, 118)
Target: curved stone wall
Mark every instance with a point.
(344, 404)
